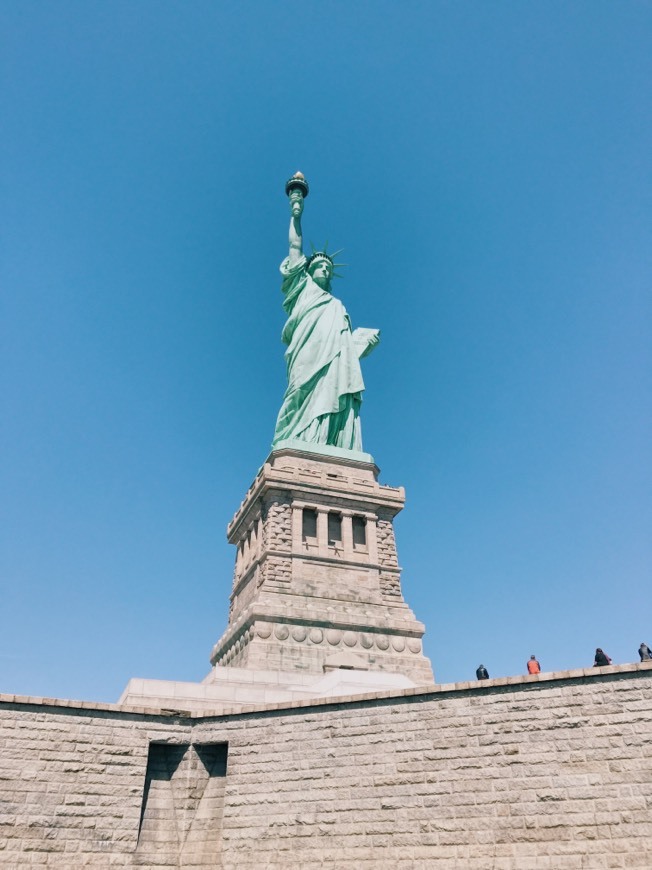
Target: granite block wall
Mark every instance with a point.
(552, 772)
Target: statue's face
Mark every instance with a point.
(321, 272)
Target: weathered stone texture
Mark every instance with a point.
(71, 785)
(512, 774)
(387, 555)
(278, 525)
(390, 585)
(277, 574)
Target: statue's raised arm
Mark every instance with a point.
(296, 189)
(321, 405)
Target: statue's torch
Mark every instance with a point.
(297, 189)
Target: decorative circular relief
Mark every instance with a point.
(299, 633)
(350, 639)
(382, 642)
(263, 629)
(333, 636)
(281, 632)
(398, 643)
(414, 645)
(366, 641)
(316, 635)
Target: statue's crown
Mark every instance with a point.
(324, 255)
(319, 255)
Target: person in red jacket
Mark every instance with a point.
(533, 666)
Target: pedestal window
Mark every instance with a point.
(334, 529)
(359, 525)
(309, 525)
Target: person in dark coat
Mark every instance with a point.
(482, 673)
(601, 659)
(645, 652)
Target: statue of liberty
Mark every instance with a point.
(322, 401)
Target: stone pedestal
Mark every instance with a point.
(317, 581)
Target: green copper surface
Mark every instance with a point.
(321, 405)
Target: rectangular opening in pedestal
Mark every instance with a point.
(309, 531)
(334, 528)
(359, 525)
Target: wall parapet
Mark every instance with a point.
(528, 681)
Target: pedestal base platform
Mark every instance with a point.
(227, 688)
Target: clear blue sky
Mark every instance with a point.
(486, 166)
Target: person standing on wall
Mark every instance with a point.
(601, 659)
(533, 666)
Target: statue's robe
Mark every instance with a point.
(322, 402)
